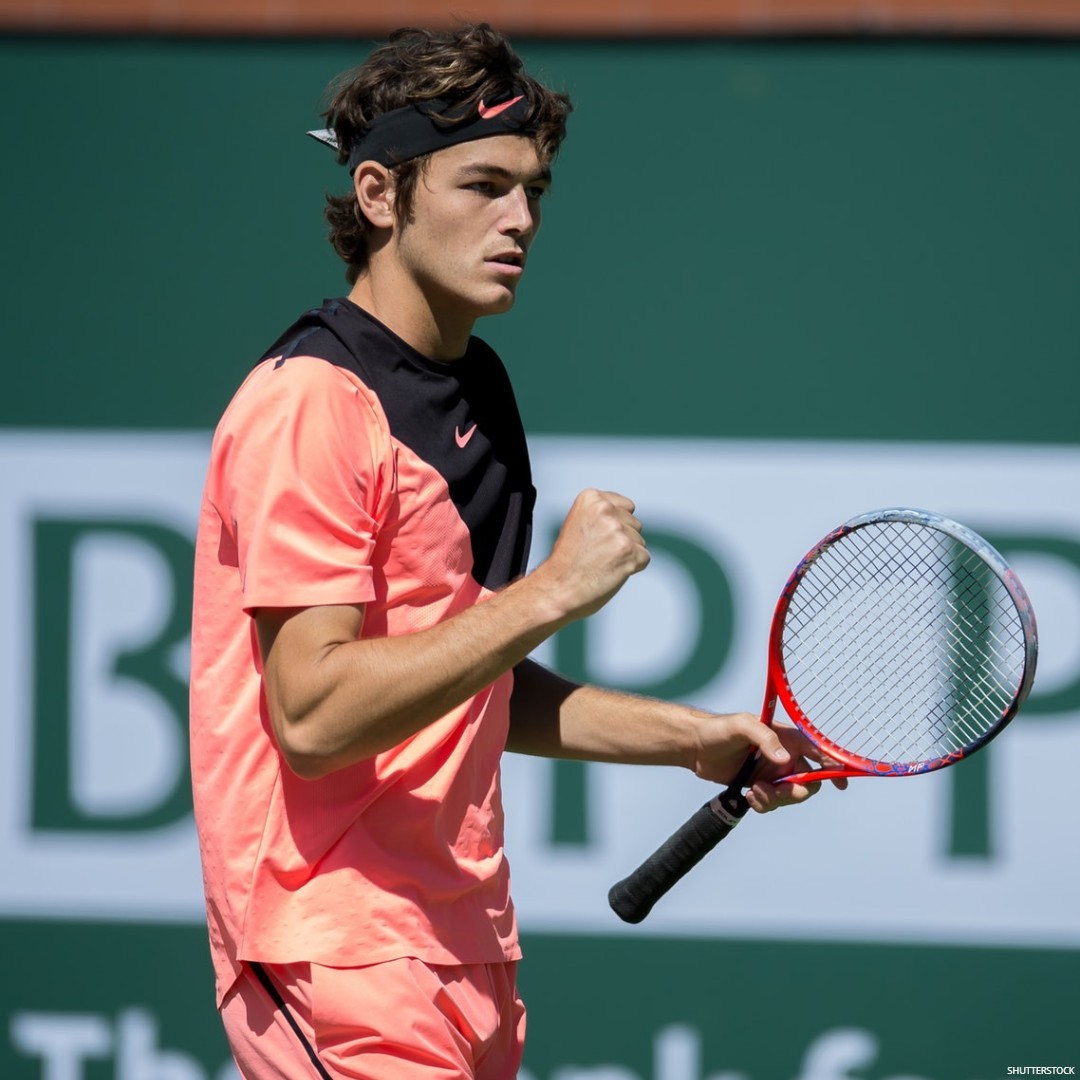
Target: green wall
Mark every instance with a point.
(867, 239)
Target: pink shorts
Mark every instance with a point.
(399, 1020)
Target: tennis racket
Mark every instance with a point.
(901, 644)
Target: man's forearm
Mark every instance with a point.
(553, 717)
(336, 699)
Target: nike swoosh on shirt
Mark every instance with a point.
(489, 112)
(463, 440)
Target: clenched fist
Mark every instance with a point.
(599, 546)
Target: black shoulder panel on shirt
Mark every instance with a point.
(460, 418)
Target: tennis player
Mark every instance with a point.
(363, 620)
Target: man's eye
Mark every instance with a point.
(536, 191)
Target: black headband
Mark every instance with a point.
(406, 133)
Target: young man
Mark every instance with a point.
(363, 620)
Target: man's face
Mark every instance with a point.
(475, 212)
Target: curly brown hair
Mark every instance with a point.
(466, 65)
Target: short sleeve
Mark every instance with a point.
(300, 464)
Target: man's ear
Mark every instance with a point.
(374, 189)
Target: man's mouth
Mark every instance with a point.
(513, 259)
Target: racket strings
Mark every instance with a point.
(901, 645)
(952, 641)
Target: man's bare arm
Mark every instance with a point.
(335, 699)
(553, 717)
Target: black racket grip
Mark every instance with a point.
(633, 897)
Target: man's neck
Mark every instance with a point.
(403, 308)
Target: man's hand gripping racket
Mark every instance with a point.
(901, 644)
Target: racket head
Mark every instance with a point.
(901, 644)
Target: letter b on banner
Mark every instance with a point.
(112, 602)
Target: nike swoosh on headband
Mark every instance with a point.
(489, 112)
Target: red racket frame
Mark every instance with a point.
(778, 688)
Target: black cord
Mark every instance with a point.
(279, 1001)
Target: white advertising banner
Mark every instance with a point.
(96, 536)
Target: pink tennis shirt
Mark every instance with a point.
(349, 469)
